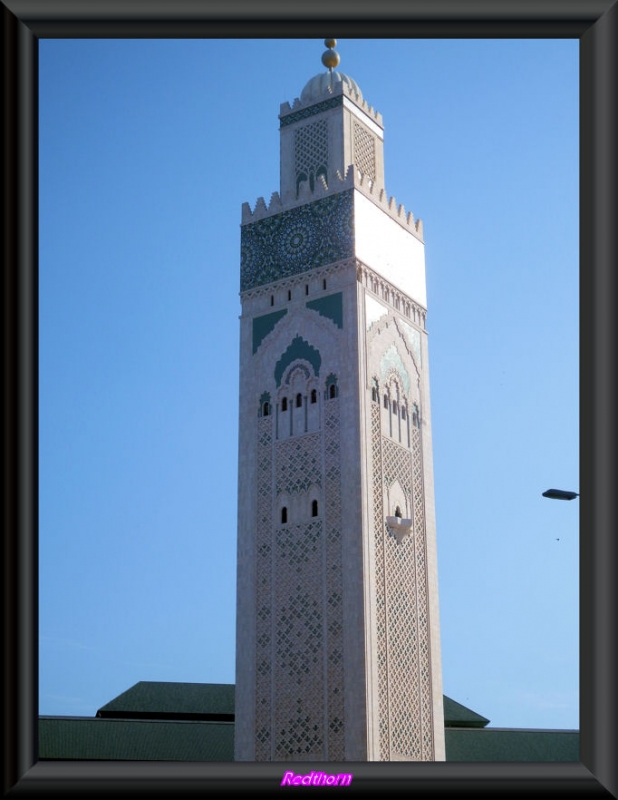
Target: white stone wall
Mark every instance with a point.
(388, 248)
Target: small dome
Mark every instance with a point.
(321, 83)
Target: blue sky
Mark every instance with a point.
(148, 148)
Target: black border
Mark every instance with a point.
(595, 24)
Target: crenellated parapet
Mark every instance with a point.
(388, 204)
(276, 205)
(353, 179)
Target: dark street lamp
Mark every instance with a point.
(560, 494)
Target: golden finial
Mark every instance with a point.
(330, 59)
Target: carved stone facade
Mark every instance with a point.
(338, 652)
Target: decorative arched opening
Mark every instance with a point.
(332, 390)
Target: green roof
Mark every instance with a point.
(458, 716)
(93, 738)
(215, 702)
(151, 740)
(165, 721)
(511, 744)
(168, 700)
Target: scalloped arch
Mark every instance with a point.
(299, 348)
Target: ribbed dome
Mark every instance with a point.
(321, 83)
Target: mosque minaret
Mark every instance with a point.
(338, 642)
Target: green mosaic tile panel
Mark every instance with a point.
(295, 241)
(262, 326)
(330, 306)
(311, 111)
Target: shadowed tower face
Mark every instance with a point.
(338, 649)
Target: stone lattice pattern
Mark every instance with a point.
(299, 641)
(333, 579)
(404, 683)
(299, 464)
(364, 151)
(299, 638)
(380, 594)
(422, 595)
(313, 235)
(311, 150)
(263, 590)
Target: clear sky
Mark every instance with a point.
(148, 148)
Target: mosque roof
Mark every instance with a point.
(167, 721)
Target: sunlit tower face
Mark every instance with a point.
(338, 648)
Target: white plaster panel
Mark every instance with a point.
(373, 310)
(387, 247)
(363, 117)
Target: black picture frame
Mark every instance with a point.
(595, 24)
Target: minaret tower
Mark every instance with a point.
(338, 646)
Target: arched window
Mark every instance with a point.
(266, 409)
(385, 401)
(314, 508)
(331, 386)
(284, 515)
(398, 512)
(403, 412)
(374, 394)
(272, 299)
(306, 288)
(324, 284)
(289, 294)
(314, 396)
(394, 406)
(284, 404)
(299, 400)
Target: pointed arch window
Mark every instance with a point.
(332, 390)
(284, 515)
(314, 508)
(284, 404)
(264, 407)
(314, 396)
(299, 400)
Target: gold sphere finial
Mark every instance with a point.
(330, 59)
